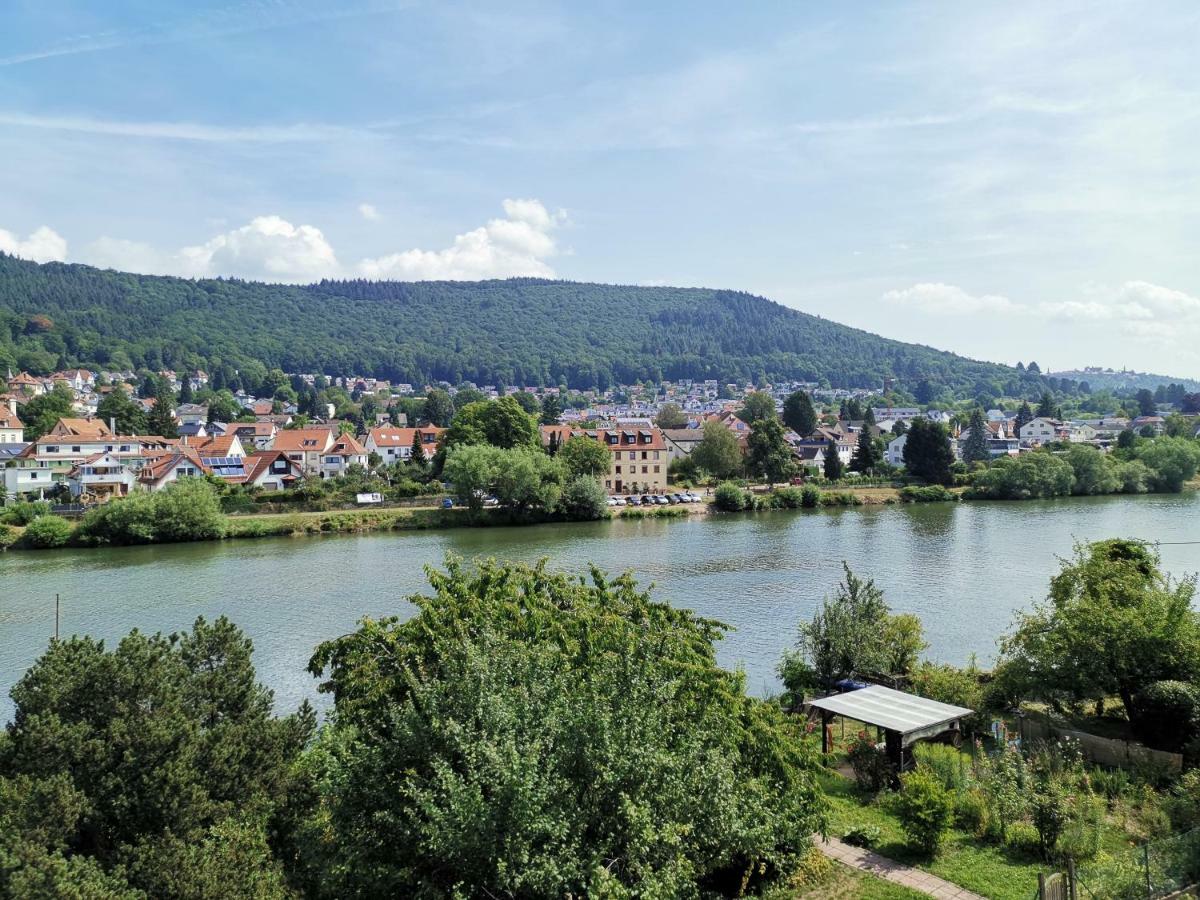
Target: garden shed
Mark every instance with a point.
(904, 718)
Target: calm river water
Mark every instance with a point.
(963, 568)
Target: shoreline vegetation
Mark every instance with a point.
(205, 523)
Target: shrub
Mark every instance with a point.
(925, 809)
(810, 496)
(950, 684)
(24, 512)
(813, 868)
(9, 535)
(862, 835)
(1050, 814)
(1166, 714)
(951, 767)
(787, 498)
(583, 499)
(872, 770)
(729, 497)
(840, 498)
(932, 493)
(971, 812)
(46, 532)
(1022, 838)
(1183, 803)
(126, 521)
(1080, 838)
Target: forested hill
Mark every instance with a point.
(515, 331)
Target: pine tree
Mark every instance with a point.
(866, 454)
(799, 414)
(1024, 417)
(833, 462)
(417, 454)
(976, 447)
(1045, 408)
(185, 390)
(161, 420)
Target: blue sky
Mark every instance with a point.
(1011, 181)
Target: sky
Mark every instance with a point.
(1012, 181)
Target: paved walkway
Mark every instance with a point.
(888, 869)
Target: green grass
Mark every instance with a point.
(849, 884)
(987, 870)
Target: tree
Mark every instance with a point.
(528, 402)
(924, 393)
(584, 455)
(161, 420)
(439, 408)
(532, 726)
(41, 413)
(158, 744)
(718, 452)
(854, 633)
(1172, 462)
(1113, 624)
(224, 407)
(927, 451)
(757, 407)
(833, 462)
(185, 390)
(1023, 418)
(584, 499)
(768, 454)
(1045, 408)
(866, 453)
(417, 453)
(799, 413)
(1145, 402)
(551, 409)
(1036, 475)
(671, 415)
(501, 423)
(126, 415)
(975, 449)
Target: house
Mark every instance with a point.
(24, 383)
(78, 380)
(163, 468)
(1040, 430)
(894, 455)
(192, 430)
(1081, 433)
(345, 452)
(101, 477)
(682, 441)
(395, 444)
(639, 459)
(191, 414)
(11, 429)
(259, 435)
(1000, 441)
(79, 428)
(907, 413)
(820, 437)
(304, 446)
(1154, 423)
(271, 470)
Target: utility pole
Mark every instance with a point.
(56, 605)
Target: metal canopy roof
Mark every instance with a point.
(892, 710)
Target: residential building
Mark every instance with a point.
(639, 459)
(101, 477)
(682, 441)
(894, 455)
(1041, 430)
(11, 429)
(271, 470)
(395, 444)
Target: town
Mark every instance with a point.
(82, 437)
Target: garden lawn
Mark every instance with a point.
(983, 868)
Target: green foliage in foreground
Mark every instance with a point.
(532, 734)
(151, 770)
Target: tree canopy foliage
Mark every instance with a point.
(534, 734)
(519, 331)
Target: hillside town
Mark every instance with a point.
(269, 444)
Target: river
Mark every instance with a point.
(965, 569)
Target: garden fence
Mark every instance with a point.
(1159, 869)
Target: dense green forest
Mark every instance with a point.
(518, 331)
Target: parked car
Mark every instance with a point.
(447, 503)
(676, 498)
(694, 498)
(615, 501)
(661, 500)
(648, 499)
(632, 500)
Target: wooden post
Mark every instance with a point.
(824, 731)
(56, 605)
(1146, 862)
(1071, 878)
(1041, 886)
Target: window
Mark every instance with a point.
(656, 454)
(656, 470)
(51, 449)
(645, 455)
(75, 449)
(618, 472)
(644, 470)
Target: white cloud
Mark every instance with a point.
(518, 244)
(948, 299)
(369, 212)
(269, 249)
(125, 256)
(43, 245)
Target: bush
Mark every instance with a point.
(9, 535)
(840, 498)
(813, 868)
(949, 684)
(126, 521)
(872, 769)
(46, 532)
(1023, 839)
(1029, 476)
(951, 767)
(729, 497)
(24, 512)
(1080, 839)
(862, 835)
(1183, 804)
(187, 510)
(810, 496)
(925, 809)
(1050, 814)
(1166, 714)
(932, 493)
(971, 813)
(787, 498)
(583, 499)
